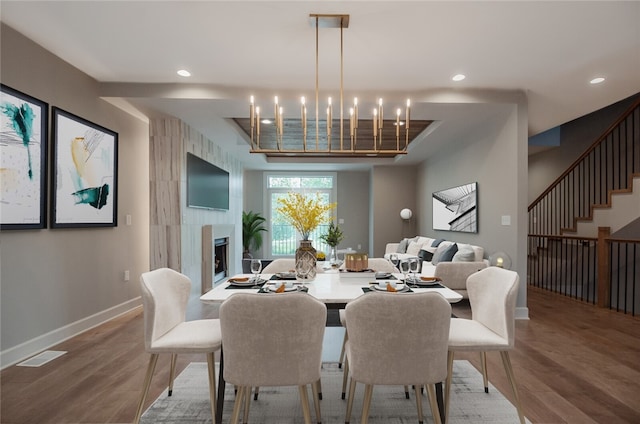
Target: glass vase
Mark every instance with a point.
(333, 256)
(305, 261)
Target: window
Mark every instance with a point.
(283, 239)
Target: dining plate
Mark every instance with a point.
(286, 275)
(423, 283)
(274, 288)
(399, 288)
(383, 274)
(242, 282)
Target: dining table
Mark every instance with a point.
(334, 287)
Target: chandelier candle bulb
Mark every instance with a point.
(258, 124)
(375, 123)
(351, 114)
(251, 112)
(355, 112)
(380, 113)
(398, 123)
(407, 113)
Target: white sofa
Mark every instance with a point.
(453, 264)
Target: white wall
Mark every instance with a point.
(56, 283)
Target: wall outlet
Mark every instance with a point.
(127, 276)
(359, 246)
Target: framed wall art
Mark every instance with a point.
(85, 173)
(455, 209)
(23, 160)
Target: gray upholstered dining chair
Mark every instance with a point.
(165, 294)
(378, 265)
(492, 296)
(384, 330)
(273, 340)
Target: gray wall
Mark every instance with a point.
(55, 283)
(496, 158)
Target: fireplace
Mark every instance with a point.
(221, 259)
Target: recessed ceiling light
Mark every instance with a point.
(184, 73)
(597, 80)
(458, 77)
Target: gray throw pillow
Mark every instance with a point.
(445, 254)
(464, 254)
(402, 247)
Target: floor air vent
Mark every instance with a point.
(41, 358)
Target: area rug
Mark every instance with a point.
(189, 403)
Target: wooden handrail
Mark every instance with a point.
(586, 153)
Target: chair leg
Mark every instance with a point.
(435, 411)
(211, 367)
(447, 395)
(316, 400)
(366, 403)
(485, 374)
(352, 392)
(304, 399)
(145, 388)
(419, 404)
(345, 376)
(247, 404)
(512, 379)
(237, 405)
(344, 343)
(172, 372)
(319, 383)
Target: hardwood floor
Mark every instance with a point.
(574, 363)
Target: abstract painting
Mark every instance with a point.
(23, 154)
(84, 180)
(455, 209)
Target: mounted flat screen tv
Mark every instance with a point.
(207, 185)
(456, 209)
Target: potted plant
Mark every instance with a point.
(252, 228)
(333, 237)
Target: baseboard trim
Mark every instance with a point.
(31, 347)
(522, 312)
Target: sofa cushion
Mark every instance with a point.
(437, 242)
(402, 247)
(465, 253)
(425, 255)
(413, 248)
(444, 253)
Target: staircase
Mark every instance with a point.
(573, 248)
(622, 209)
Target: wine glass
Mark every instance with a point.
(393, 258)
(256, 267)
(414, 265)
(405, 267)
(302, 272)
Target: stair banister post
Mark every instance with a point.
(604, 247)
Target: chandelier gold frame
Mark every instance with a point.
(377, 141)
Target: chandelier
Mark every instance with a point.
(277, 136)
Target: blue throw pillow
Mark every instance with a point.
(437, 242)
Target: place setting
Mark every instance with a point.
(387, 286)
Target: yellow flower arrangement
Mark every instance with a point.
(304, 212)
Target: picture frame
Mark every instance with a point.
(85, 173)
(23, 160)
(456, 209)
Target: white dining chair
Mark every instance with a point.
(378, 265)
(273, 340)
(165, 294)
(386, 329)
(492, 296)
